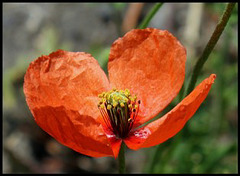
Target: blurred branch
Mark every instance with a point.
(210, 45)
(131, 17)
(150, 15)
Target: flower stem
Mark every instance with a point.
(150, 15)
(210, 45)
(121, 159)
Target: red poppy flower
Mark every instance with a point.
(72, 99)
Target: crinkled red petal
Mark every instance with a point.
(151, 64)
(62, 93)
(170, 124)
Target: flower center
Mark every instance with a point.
(119, 110)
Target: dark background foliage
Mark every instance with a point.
(207, 144)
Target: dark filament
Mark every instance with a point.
(120, 120)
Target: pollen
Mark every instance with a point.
(135, 106)
(114, 103)
(102, 106)
(109, 107)
(127, 93)
(122, 104)
(119, 110)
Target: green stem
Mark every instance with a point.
(121, 159)
(150, 15)
(210, 45)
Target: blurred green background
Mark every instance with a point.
(207, 144)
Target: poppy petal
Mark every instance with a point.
(115, 144)
(61, 91)
(114, 141)
(170, 124)
(151, 64)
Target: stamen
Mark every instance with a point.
(119, 110)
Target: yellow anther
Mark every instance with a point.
(103, 100)
(127, 92)
(129, 119)
(104, 94)
(114, 103)
(125, 100)
(107, 96)
(116, 98)
(133, 99)
(135, 106)
(102, 106)
(122, 104)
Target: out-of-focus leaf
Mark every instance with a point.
(48, 41)
(9, 98)
(9, 77)
(216, 154)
